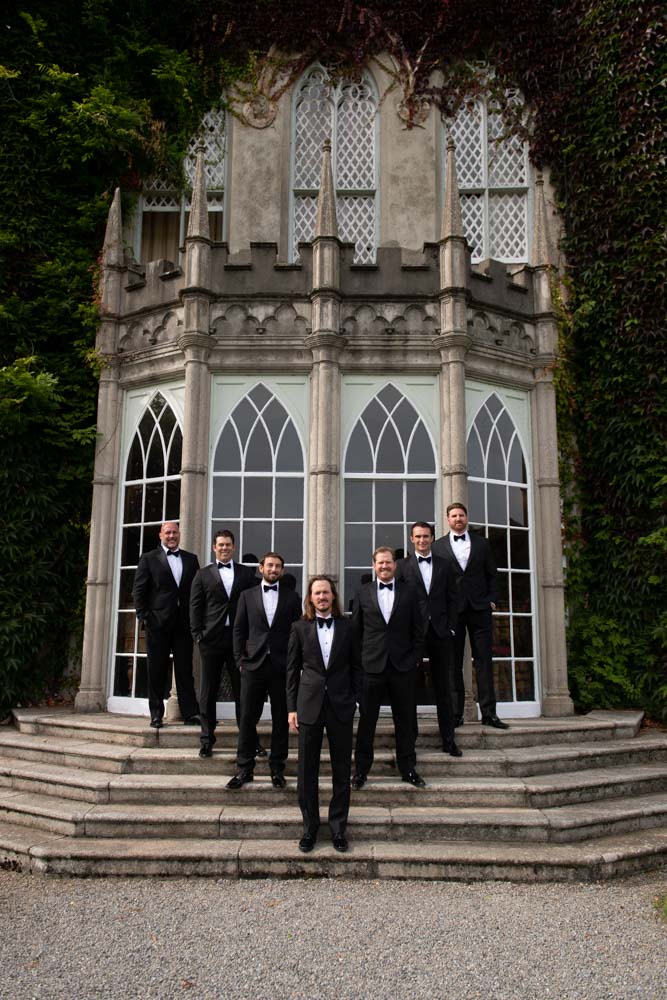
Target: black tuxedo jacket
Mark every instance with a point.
(476, 586)
(441, 600)
(210, 604)
(309, 681)
(253, 639)
(399, 641)
(158, 601)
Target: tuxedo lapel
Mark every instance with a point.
(166, 571)
(216, 580)
(313, 629)
(417, 573)
(259, 605)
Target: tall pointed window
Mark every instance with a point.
(258, 481)
(492, 174)
(344, 112)
(498, 504)
(151, 495)
(164, 217)
(389, 481)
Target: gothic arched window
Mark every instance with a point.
(258, 481)
(389, 481)
(151, 495)
(492, 175)
(344, 112)
(164, 212)
(498, 504)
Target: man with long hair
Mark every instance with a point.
(323, 688)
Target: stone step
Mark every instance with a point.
(623, 854)
(539, 791)
(411, 820)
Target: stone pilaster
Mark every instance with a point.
(97, 632)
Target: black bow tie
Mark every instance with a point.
(173, 552)
(425, 559)
(224, 565)
(459, 538)
(321, 622)
(267, 587)
(386, 586)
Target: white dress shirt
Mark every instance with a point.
(461, 549)
(325, 635)
(426, 570)
(270, 599)
(386, 600)
(227, 578)
(175, 565)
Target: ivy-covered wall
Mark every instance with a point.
(95, 94)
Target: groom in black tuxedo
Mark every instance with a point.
(161, 594)
(323, 688)
(470, 557)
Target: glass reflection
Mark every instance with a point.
(389, 501)
(524, 675)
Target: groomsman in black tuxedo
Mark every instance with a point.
(472, 562)
(161, 594)
(323, 688)
(215, 593)
(388, 620)
(434, 579)
(262, 626)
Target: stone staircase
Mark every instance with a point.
(549, 799)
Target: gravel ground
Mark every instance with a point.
(268, 940)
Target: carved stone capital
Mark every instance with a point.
(456, 343)
(326, 344)
(195, 346)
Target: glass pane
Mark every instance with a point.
(173, 505)
(135, 461)
(260, 395)
(133, 500)
(226, 496)
(289, 497)
(518, 506)
(358, 544)
(244, 416)
(517, 466)
(524, 676)
(498, 542)
(389, 396)
(521, 592)
(290, 455)
(392, 535)
(125, 594)
(405, 418)
(519, 549)
(375, 418)
(495, 460)
(155, 463)
(151, 536)
(255, 540)
(146, 427)
(258, 456)
(122, 682)
(475, 458)
(476, 511)
(420, 501)
(167, 422)
(227, 454)
(130, 546)
(389, 454)
(496, 504)
(154, 502)
(358, 500)
(505, 429)
(483, 425)
(353, 580)
(389, 501)
(501, 635)
(288, 540)
(141, 679)
(175, 452)
(157, 403)
(125, 634)
(258, 496)
(502, 679)
(420, 457)
(494, 405)
(523, 636)
(502, 585)
(274, 417)
(358, 457)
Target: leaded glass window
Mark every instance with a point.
(389, 481)
(258, 481)
(165, 211)
(151, 496)
(492, 174)
(499, 505)
(344, 112)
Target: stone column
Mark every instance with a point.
(97, 633)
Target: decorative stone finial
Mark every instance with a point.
(198, 222)
(326, 223)
(451, 209)
(112, 251)
(542, 256)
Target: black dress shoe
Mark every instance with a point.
(307, 843)
(493, 720)
(240, 779)
(451, 748)
(358, 780)
(156, 723)
(458, 722)
(414, 779)
(260, 751)
(340, 843)
(192, 720)
(206, 750)
(278, 779)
